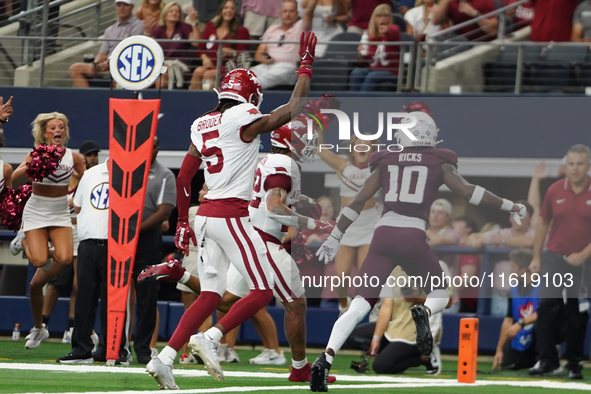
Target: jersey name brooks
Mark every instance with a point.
(63, 171)
(353, 179)
(230, 161)
(273, 169)
(2, 180)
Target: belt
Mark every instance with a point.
(100, 242)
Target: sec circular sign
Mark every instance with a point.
(136, 62)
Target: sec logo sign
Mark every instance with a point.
(99, 196)
(136, 62)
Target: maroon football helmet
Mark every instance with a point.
(294, 136)
(241, 85)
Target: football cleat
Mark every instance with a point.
(319, 376)
(268, 357)
(207, 350)
(169, 271)
(424, 336)
(433, 364)
(304, 374)
(162, 373)
(36, 336)
(232, 356)
(67, 338)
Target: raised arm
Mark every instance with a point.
(477, 195)
(287, 112)
(189, 168)
(440, 12)
(333, 160)
(310, 6)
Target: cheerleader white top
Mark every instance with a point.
(353, 179)
(63, 172)
(2, 180)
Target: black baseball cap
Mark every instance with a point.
(89, 147)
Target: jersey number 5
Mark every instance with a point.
(208, 153)
(405, 194)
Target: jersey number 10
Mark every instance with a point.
(404, 193)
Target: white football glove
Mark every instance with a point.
(517, 216)
(328, 249)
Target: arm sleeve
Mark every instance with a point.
(188, 170)
(168, 191)
(281, 181)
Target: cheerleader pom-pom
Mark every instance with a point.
(44, 162)
(299, 252)
(8, 214)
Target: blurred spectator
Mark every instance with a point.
(361, 13)
(328, 17)
(383, 60)
(259, 15)
(202, 12)
(515, 236)
(176, 53)
(149, 14)
(552, 20)
(127, 25)
(403, 6)
(581, 30)
(459, 11)
(278, 61)
(419, 20)
(522, 15)
(225, 26)
(518, 235)
(516, 348)
(469, 264)
(534, 195)
(439, 233)
(566, 212)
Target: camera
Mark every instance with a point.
(360, 366)
(363, 344)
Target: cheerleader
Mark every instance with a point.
(46, 216)
(352, 172)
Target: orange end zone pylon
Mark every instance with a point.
(133, 127)
(468, 350)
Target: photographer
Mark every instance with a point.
(393, 339)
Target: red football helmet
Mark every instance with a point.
(241, 85)
(417, 106)
(294, 136)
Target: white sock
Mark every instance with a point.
(185, 278)
(299, 364)
(213, 334)
(167, 355)
(437, 300)
(343, 327)
(329, 358)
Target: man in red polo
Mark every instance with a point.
(565, 264)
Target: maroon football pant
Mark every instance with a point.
(407, 247)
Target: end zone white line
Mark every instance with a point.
(373, 381)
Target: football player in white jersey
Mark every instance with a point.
(227, 140)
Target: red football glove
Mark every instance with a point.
(306, 52)
(184, 234)
(308, 207)
(324, 226)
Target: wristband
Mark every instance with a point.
(350, 214)
(4, 120)
(376, 338)
(477, 195)
(507, 205)
(521, 322)
(305, 70)
(336, 233)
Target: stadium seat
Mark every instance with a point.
(399, 21)
(445, 51)
(557, 63)
(500, 76)
(331, 72)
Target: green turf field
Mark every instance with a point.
(35, 371)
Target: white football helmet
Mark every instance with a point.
(425, 131)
